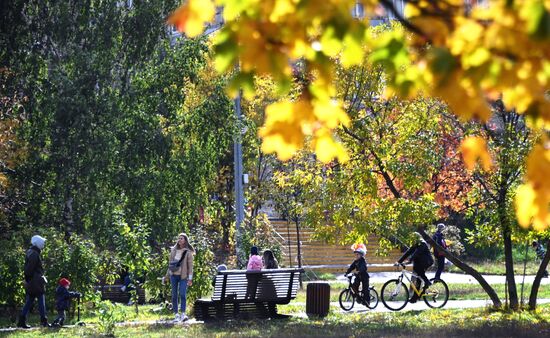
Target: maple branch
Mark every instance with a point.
(391, 7)
(478, 178)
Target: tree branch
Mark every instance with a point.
(464, 267)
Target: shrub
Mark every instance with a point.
(203, 264)
(12, 259)
(158, 265)
(257, 231)
(109, 314)
(75, 260)
(133, 251)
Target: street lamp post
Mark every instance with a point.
(238, 169)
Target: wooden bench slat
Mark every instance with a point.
(113, 293)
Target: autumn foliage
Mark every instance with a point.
(461, 51)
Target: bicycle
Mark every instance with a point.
(395, 294)
(348, 296)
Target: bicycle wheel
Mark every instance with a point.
(395, 295)
(346, 300)
(437, 294)
(373, 298)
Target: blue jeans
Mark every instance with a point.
(440, 266)
(180, 285)
(29, 300)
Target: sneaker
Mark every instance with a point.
(177, 318)
(184, 317)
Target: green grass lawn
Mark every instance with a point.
(485, 267)
(151, 312)
(434, 323)
(491, 267)
(442, 322)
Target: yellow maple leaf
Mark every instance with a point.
(474, 148)
(525, 204)
(275, 143)
(281, 9)
(282, 133)
(3, 180)
(533, 197)
(327, 149)
(330, 113)
(190, 17)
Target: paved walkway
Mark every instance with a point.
(420, 305)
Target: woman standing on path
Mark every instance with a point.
(180, 274)
(439, 238)
(35, 282)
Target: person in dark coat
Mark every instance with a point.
(360, 265)
(422, 259)
(63, 300)
(439, 238)
(35, 282)
(540, 252)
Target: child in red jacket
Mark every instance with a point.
(62, 300)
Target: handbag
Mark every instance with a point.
(175, 265)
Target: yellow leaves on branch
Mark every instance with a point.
(463, 97)
(268, 38)
(191, 16)
(533, 197)
(474, 148)
(288, 124)
(500, 49)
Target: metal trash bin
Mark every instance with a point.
(317, 299)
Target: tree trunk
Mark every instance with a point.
(68, 220)
(466, 268)
(508, 259)
(538, 277)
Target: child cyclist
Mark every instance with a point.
(360, 265)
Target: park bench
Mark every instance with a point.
(249, 294)
(115, 294)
